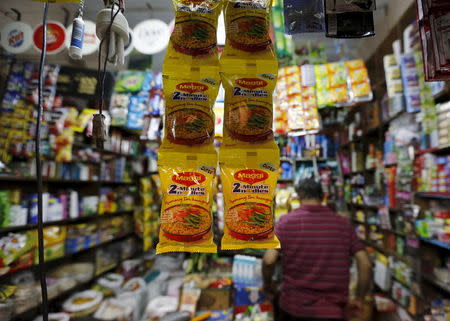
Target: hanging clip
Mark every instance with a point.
(99, 132)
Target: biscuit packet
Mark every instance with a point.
(187, 197)
(193, 41)
(249, 178)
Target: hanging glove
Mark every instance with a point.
(118, 37)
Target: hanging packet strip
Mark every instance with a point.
(189, 119)
(193, 41)
(249, 179)
(349, 19)
(247, 26)
(186, 218)
(248, 114)
(304, 16)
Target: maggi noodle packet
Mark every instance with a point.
(248, 113)
(249, 178)
(193, 41)
(189, 117)
(186, 218)
(247, 26)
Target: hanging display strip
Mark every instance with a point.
(349, 19)
(248, 158)
(434, 23)
(187, 159)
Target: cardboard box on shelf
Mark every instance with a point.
(215, 299)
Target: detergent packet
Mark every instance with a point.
(187, 197)
(189, 117)
(248, 104)
(247, 25)
(193, 41)
(249, 179)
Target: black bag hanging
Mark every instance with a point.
(349, 19)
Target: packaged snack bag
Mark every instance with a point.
(194, 37)
(248, 105)
(247, 26)
(189, 118)
(249, 178)
(358, 81)
(186, 218)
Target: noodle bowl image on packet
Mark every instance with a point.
(189, 118)
(247, 24)
(194, 37)
(186, 218)
(249, 179)
(248, 107)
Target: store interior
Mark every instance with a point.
(144, 166)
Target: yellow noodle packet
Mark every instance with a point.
(247, 25)
(249, 178)
(189, 117)
(186, 217)
(248, 116)
(193, 41)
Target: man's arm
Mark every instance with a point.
(364, 266)
(268, 268)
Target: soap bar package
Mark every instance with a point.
(304, 16)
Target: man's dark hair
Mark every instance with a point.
(309, 189)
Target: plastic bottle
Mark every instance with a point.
(76, 42)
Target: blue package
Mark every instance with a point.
(138, 103)
(304, 16)
(135, 119)
(247, 295)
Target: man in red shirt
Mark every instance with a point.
(317, 248)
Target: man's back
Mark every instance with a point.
(317, 248)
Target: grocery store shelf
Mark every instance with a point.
(441, 195)
(435, 150)
(285, 181)
(436, 243)
(390, 165)
(387, 252)
(76, 220)
(70, 256)
(441, 285)
(20, 179)
(369, 207)
(31, 313)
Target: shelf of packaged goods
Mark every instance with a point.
(387, 252)
(147, 174)
(76, 220)
(105, 151)
(441, 150)
(440, 285)
(438, 195)
(134, 132)
(390, 165)
(392, 118)
(20, 179)
(369, 207)
(436, 243)
(308, 160)
(33, 312)
(69, 256)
